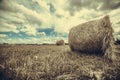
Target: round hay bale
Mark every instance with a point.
(92, 37)
(60, 42)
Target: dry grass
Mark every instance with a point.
(51, 62)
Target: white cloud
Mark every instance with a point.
(3, 35)
(31, 40)
(115, 18)
(41, 33)
(13, 14)
(24, 15)
(65, 23)
(29, 29)
(43, 19)
(11, 17)
(115, 15)
(6, 27)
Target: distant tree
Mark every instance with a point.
(5, 43)
(66, 43)
(117, 41)
(45, 44)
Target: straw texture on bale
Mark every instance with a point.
(93, 37)
(60, 42)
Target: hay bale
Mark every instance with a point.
(93, 37)
(60, 42)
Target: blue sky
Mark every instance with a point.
(45, 21)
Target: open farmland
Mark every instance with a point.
(51, 62)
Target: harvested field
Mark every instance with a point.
(52, 62)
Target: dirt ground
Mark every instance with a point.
(52, 62)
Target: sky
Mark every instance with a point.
(45, 21)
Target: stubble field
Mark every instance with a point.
(52, 62)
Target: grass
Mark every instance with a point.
(51, 62)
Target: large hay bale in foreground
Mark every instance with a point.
(60, 42)
(93, 37)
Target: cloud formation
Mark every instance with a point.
(3, 35)
(52, 18)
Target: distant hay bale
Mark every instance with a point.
(93, 37)
(60, 42)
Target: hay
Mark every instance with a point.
(60, 42)
(93, 37)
